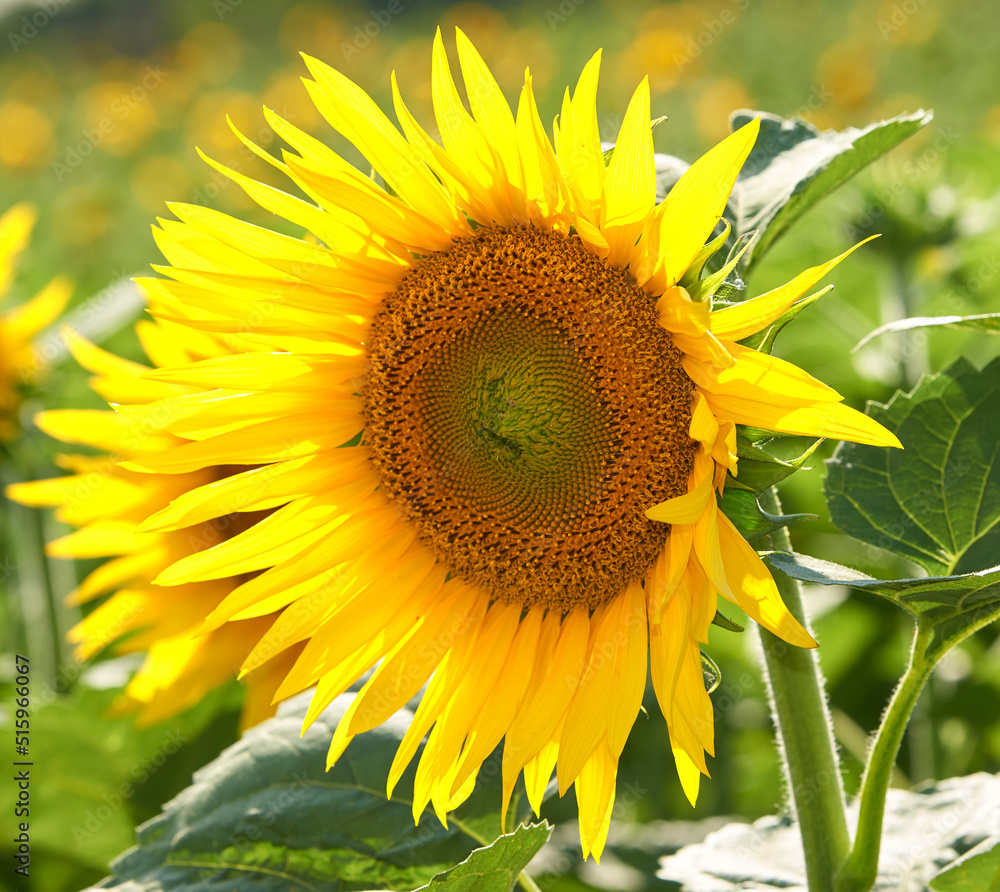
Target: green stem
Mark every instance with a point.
(859, 872)
(796, 686)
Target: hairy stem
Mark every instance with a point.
(860, 870)
(802, 720)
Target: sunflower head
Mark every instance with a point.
(487, 409)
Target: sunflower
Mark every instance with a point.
(107, 503)
(489, 410)
(19, 364)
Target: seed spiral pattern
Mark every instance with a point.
(523, 408)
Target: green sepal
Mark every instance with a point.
(758, 470)
(710, 672)
(691, 277)
(763, 341)
(752, 521)
(724, 622)
(706, 288)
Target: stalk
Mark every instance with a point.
(860, 870)
(805, 732)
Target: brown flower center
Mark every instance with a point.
(524, 407)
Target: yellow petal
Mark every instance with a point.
(758, 376)
(697, 200)
(504, 699)
(549, 696)
(28, 319)
(579, 145)
(630, 669)
(595, 795)
(351, 111)
(683, 509)
(630, 185)
(747, 318)
(689, 775)
(834, 420)
(490, 110)
(748, 583)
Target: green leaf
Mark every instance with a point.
(266, 813)
(793, 165)
(986, 322)
(980, 873)
(750, 519)
(955, 606)
(936, 501)
(495, 867)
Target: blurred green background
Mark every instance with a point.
(101, 105)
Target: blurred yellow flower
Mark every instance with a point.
(157, 179)
(27, 136)
(212, 52)
(118, 115)
(716, 100)
(18, 362)
(847, 72)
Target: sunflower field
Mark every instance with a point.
(592, 407)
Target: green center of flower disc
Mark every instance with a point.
(524, 407)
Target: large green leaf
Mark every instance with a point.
(495, 867)
(936, 501)
(266, 814)
(793, 165)
(954, 605)
(979, 873)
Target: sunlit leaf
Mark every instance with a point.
(758, 470)
(710, 672)
(793, 165)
